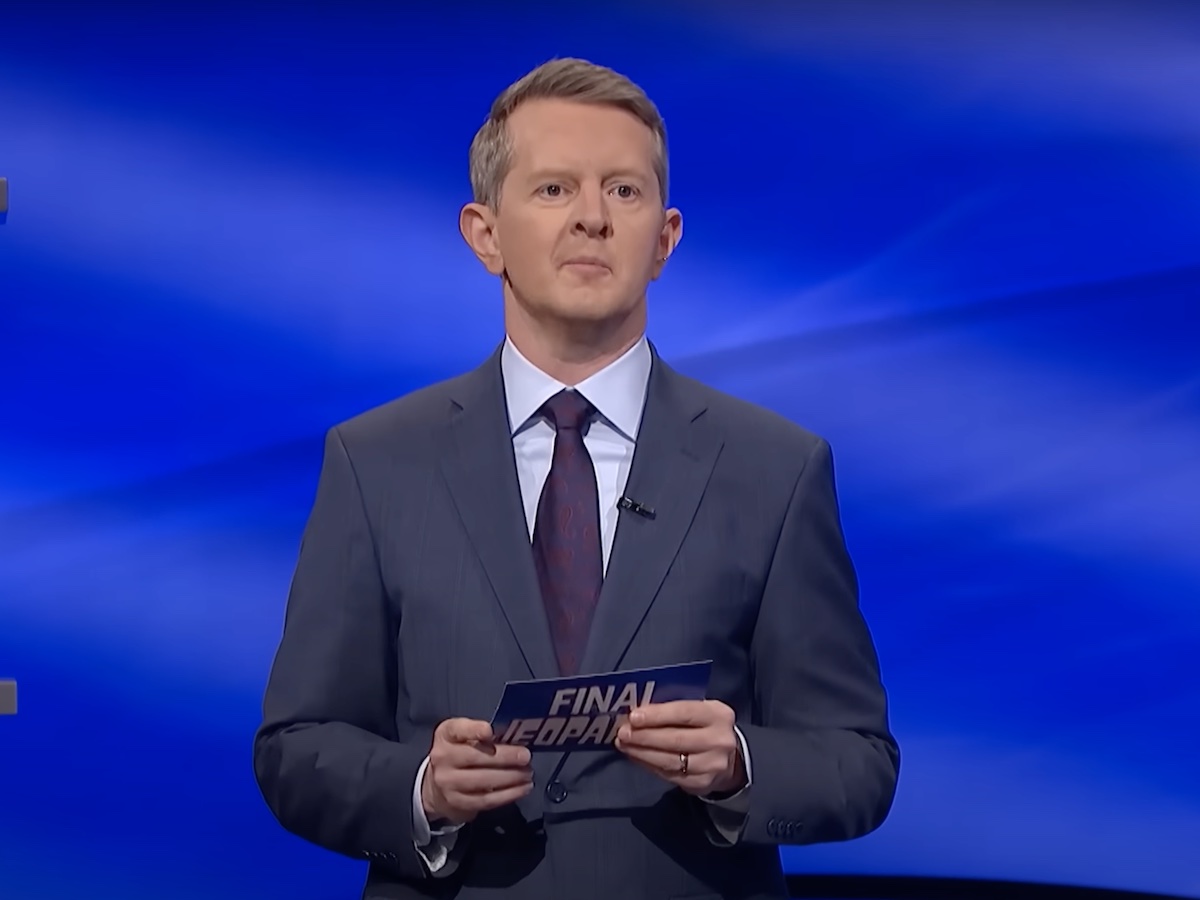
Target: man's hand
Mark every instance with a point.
(468, 774)
(660, 736)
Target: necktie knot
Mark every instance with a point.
(568, 410)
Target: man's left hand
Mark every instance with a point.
(696, 735)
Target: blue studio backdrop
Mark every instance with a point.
(961, 241)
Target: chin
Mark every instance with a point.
(584, 307)
(595, 302)
(594, 313)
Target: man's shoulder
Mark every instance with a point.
(745, 422)
(408, 417)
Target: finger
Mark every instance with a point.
(697, 785)
(465, 731)
(672, 740)
(670, 766)
(482, 781)
(509, 756)
(476, 756)
(699, 780)
(680, 713)
(493, 799)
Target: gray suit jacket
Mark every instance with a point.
(415, 598)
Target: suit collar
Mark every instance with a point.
(677, 448)
(480, 470)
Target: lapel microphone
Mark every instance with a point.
(636, 508)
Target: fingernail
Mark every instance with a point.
(636, 717)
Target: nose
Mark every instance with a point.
(591, 212)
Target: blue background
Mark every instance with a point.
(961, 241)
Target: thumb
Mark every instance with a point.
(465, 731)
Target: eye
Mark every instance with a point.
(626, 191)
(551, 190)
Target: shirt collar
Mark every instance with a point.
(618, 391)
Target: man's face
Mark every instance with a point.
(580, 229)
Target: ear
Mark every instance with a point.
(477, 224)
(668, 239)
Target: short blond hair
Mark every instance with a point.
(558, 79)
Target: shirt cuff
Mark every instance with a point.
(433, 844)
(728, 813)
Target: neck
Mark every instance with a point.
(572, 352)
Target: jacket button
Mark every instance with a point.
(556, 792)
(771, 826)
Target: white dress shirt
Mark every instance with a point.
(618, 392)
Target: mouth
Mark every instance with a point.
(586, 263)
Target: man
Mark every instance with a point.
(471, 533)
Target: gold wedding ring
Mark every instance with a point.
(683, 764)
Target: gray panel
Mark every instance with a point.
(8, 698)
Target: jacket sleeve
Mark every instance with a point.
(825, 762)
(332, 763)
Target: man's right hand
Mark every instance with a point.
(468, 773)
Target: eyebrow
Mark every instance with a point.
(541, 174)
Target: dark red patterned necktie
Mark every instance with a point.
(566, 534)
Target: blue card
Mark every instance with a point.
(584, 712)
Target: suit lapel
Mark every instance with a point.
(481, 473)
(674, 458)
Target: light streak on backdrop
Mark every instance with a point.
(962, 247)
